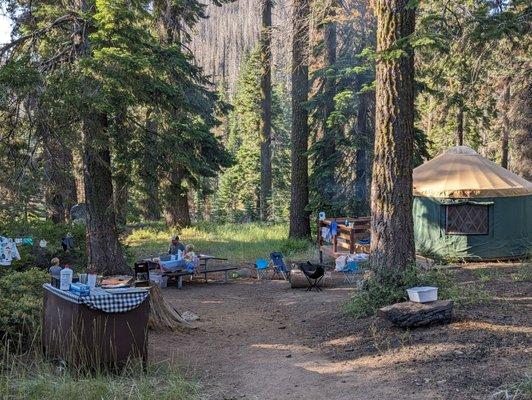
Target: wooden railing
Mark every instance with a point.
(346, 236)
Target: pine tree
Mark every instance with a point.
(266, 110)
(392, 235)
(299, 215)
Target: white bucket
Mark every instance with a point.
(423, 294)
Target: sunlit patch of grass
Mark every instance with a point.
(523, 274)
(488, 274)
(236, 242)
(521, 390)
(42, 381)
(27, 374)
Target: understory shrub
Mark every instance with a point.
(21, 301)
(36, 256)
(374, 294)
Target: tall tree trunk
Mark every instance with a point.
(299, 216)
(362, 159)
(103, 247)
(460, 125)
(60, 192)
(361, 167)
(266, 111)
(104, 251)
(324, 155)
(121, 167)
(177, 212)
(148, 173)
(505, 121)
(60, 186)
(392, 238)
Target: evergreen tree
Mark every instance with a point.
(266, 110)
(392, 233)
(299, 215)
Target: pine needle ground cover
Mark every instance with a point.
(239, 243)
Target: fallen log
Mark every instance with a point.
(409, 314)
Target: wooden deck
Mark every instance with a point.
(345, 241)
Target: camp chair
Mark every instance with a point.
(262, 266)
(350, 269)
(279, 267)
(313, 274)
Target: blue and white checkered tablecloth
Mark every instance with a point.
(103, 300)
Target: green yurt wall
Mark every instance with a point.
(509, 229)
(467, 207)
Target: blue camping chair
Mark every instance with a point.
(350, 269)
(279, 267)
(262, 266)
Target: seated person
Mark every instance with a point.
(176, 246)
(190, 258)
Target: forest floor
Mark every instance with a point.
(263, 340)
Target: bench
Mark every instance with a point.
(204, 268)
(179, 275)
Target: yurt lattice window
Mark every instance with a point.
(467, 219)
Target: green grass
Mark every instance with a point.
(521, 390)
(41, 380)
(523, 274)
(242, 243)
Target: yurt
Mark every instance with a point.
(467, 207)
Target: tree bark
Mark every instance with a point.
(121, 168)
(60, 192)
(323, 177)
(148, 173)
(505, 122)
(177, 213)
(392, 239)
(362, 158)
(361, 167)
(299, 216)
(103, 247)
(60, 186)
(266, 111)
(104, 251)
(460, 126)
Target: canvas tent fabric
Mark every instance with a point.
(462, 173)
(462, 177)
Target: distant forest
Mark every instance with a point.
(191, 145)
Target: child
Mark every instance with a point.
(191, 261)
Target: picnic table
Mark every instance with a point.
(203, 268)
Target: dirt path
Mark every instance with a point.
(263, 340)
(251, 341)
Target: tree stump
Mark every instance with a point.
(163, 315)
(410, 314)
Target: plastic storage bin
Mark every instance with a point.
(423, 294)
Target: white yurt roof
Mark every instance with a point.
(460, 172)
